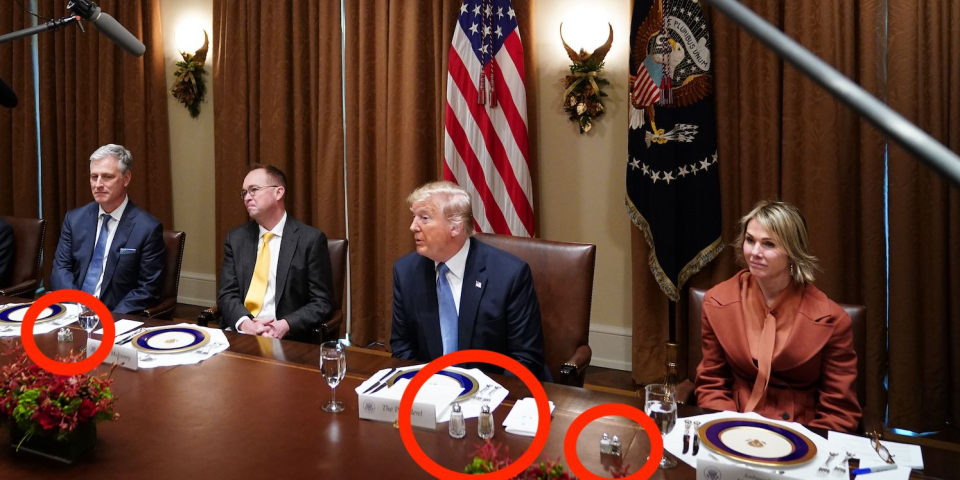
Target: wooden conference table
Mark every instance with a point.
(254, 412)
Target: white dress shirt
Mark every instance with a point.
(269, 308)
(113, 220)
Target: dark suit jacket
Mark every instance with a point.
(812, 377)
(131, 280)
(6, 252)
(303, 284)
(499, 310)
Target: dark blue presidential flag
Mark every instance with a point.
(673, 186)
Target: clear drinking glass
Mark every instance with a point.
(333, 365)
(661, 406)
(88, 321)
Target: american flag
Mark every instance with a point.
(645, 91)
(486, 145)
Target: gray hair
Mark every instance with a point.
(452, 200)
(117, 151)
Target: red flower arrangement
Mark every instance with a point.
(488, 458)
(39, 402)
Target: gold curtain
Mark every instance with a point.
(395, 91)
(924, 86)
(277, 81)
(781, 137)
(93, 93)
(18, 127)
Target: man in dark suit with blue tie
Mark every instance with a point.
(457, 293)
(110, 248)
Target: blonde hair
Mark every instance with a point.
(787, 224)
(452, 200)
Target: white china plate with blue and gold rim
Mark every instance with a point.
(467, 383)
(171, 339)
(13, 315)
(757, 442)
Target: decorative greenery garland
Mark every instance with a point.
(189, 88)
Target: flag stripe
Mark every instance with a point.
(500, 199)
(491, 139)
(486, 147)
(475, 171)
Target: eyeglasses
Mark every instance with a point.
(880, 448)
(254, 191)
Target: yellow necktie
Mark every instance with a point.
(261, 272)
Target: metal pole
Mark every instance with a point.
(26, 32)
(888, 121)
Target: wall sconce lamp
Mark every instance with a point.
(188, 87)
(582, 99)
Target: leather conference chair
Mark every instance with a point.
(858, 316)
(28, 245)
(563, 278)
(170, 278)
(332, 328)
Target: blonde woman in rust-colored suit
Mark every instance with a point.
(772, 342)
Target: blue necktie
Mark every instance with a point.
(96, 263)
(449, 320)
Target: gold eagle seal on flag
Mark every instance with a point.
(674, 53)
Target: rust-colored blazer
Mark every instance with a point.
(811, 380)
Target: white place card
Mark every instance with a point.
(709, 469)
(122, 355)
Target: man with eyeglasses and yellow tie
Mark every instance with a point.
(276, 279)
(110, 248)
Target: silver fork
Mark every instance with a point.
(841, 469)
(481, 392)
(489, 396)
(824, 470)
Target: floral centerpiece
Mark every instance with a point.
(489, 458)
(41, 404)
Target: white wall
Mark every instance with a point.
(191, 158)
(581, 179)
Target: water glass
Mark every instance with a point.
(333, 366)
(661, 406)
(88, 321)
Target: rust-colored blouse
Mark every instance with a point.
(793, 361)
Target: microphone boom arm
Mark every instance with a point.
(48, 26)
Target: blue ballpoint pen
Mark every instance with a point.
(879, 468)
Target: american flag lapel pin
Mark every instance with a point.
(479, 284)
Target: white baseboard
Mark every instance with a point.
(611, 347)
(197, 289)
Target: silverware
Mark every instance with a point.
(127, 337)
(841, 469)
(824, 470)
(376, 386)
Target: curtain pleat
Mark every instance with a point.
(277, 80)
(93, 93)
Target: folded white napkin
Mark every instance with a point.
(470, 407)
(218, 343)
(121, 327)
(523, 418)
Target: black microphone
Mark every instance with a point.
(107, 25)
(7, 97)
